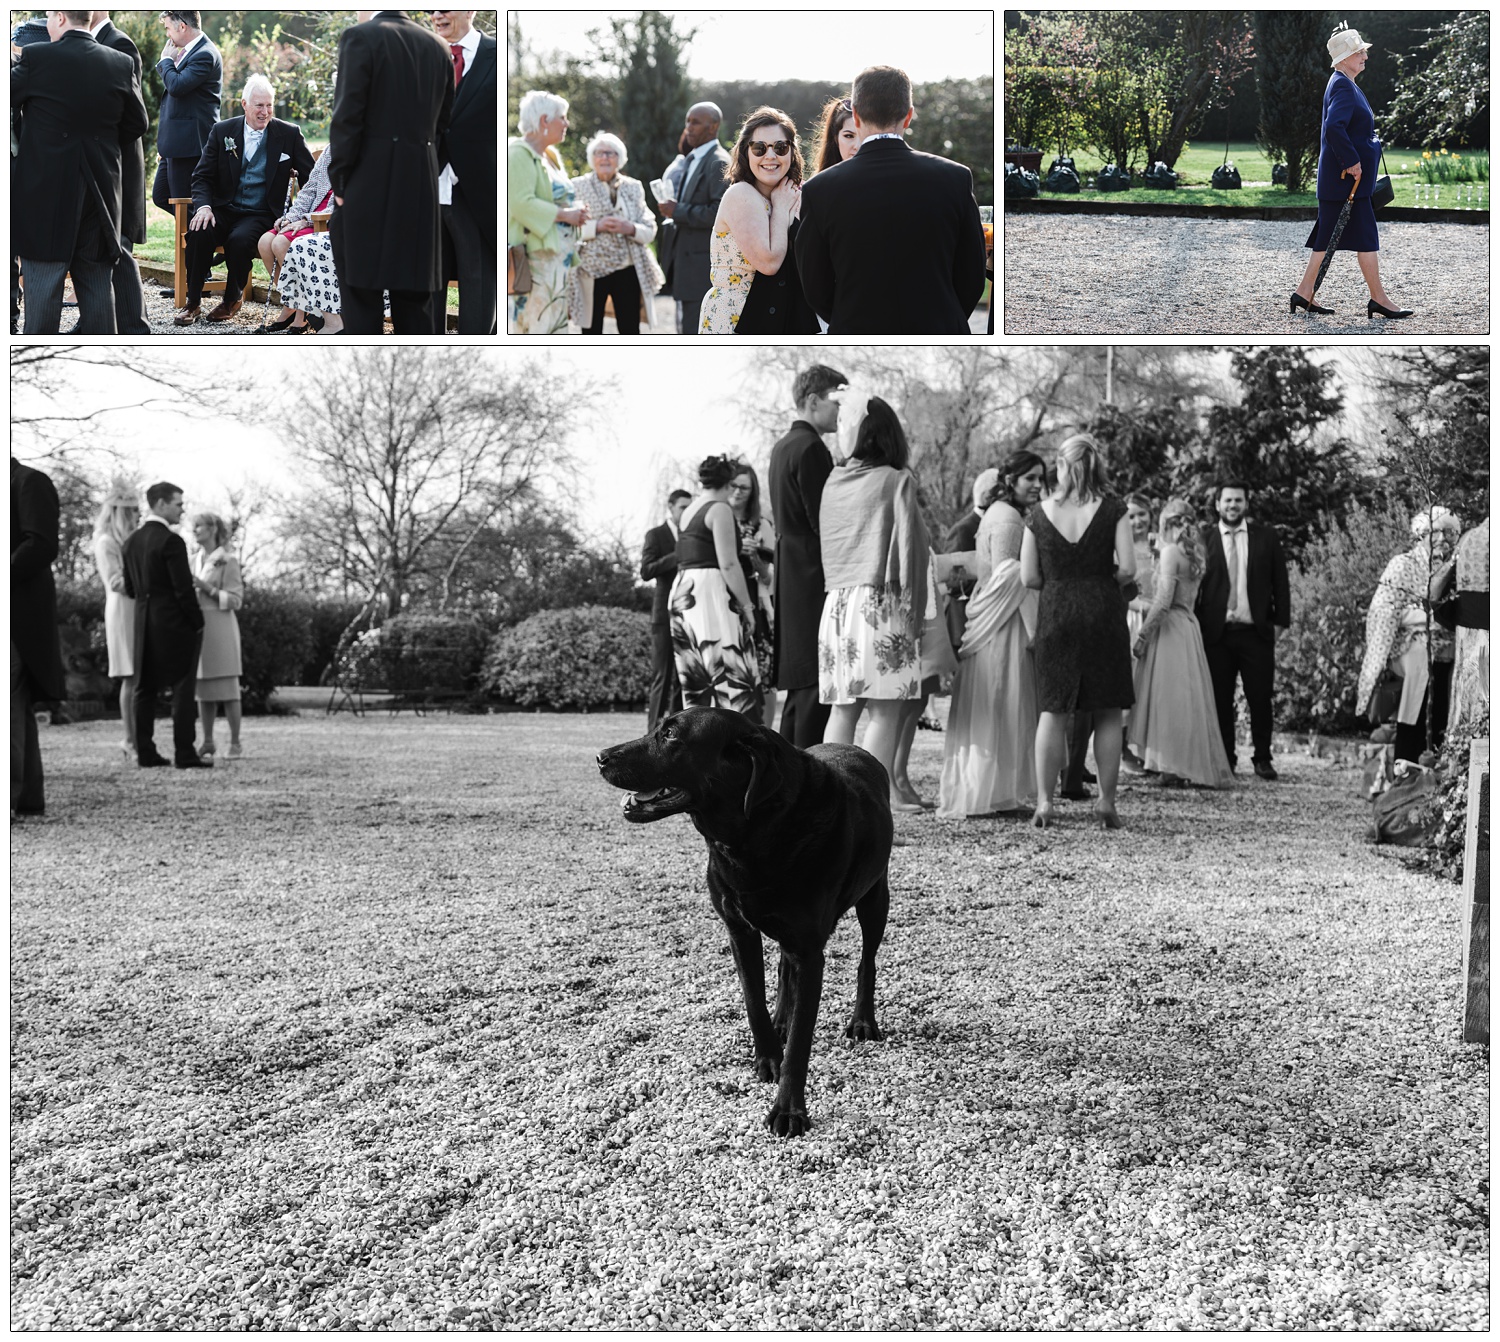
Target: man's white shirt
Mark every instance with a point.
(470, 44)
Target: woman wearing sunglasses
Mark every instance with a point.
(755, 286)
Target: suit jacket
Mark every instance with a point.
(659, 561)
(391, 110)
(1267, 587)
(963, 534)
(800, 467)
(217, 176)
(473, 143)
(683, 249)
(133, 154)
(168, 618)
(34, 514)
(81, 103)
(190, 105)
(891, 243)
(1348, 138)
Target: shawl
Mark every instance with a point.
(601, 254)
(999, 594)
(312, 193)
(1389, 639)
(872, 535)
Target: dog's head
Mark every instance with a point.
(708, 761)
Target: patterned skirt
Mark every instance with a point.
(308, 279)
(864, 648)
(544, 311)
(713, 645)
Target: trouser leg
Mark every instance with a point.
(130, 299)
(664, 686)
(1222, 670)
(1257, 663)
(476, 266)
(44, 290)
(625, 288)
(1080, 729)
(803, 719)
(185, 708)
(411, 312)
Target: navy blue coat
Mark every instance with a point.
(190, 105)
(1348, 138)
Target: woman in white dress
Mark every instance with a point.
(221, 592)
(119, 515)
(989, 745)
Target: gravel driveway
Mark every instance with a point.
(395, 1023)
(1068, 274)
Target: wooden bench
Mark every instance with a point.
(180, 207)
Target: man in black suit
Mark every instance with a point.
(391, 109)
(239, 188)
(1244, 597)
(698, 178)
(192, 75)
(659, 562)
(168, 627)
(468, 187)
(36, 669)
(130, 315)
(800, 467)
(24, 34)
(890, 242)
(80, 104)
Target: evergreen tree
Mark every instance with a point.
(1439, 398)
(1142, 447)
(647, 55)
(1291, 51)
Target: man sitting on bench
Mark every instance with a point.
(239, 187)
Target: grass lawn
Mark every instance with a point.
(1198, 161)
(396, 1023)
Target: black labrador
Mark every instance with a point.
(795, 838)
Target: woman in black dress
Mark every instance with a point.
(1078, 550)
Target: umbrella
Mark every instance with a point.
(1333, 238)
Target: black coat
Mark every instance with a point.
(682, 247)
(390, 112)
(217, 176)
(659, 562)
(775, 304)
(132, 155)
(190, 104)
(168, 618)
(1268, 589)
(473, 143)
(800, 467)
(34, 513)
(963, 535)
(891, 243)
(80, 102)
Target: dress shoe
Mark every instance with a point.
(1264, 770)
(1088, 777)
(193, 763)
(153, 762)
(1307, 305)
(187, 317)
(1374, 309)
(225, 311)
(1081, 794)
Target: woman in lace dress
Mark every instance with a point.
(990, 740)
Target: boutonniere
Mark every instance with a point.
(230, 145)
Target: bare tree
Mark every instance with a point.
(409, 455)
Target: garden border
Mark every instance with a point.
(1294, 213)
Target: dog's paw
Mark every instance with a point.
(858, 1029)
(767, 1068)
(788, 1119)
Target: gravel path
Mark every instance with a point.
(397, 1024)
(1121, 275)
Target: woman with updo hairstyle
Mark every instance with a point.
(1078, 551)
(990, 740)
(221, 592)
(836, 140)
(712, 611)
(1174, 724)
(119, 515)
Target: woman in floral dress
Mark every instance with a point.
(543, 216)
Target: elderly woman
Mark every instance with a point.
(221, 592)
(543, 217)
(119, 515)
(1348, 155)
(615, 260)
(1397, 630)
(315, 197)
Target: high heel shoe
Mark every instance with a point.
(1374, 309)
(1307, 305)
(281, 325)
(1041, 818)
(1108, 817)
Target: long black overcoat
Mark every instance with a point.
(800, 467)
(34, 514)
(168, 618)
(132, 155)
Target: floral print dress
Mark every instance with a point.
(731, 274)
(713, 639)
(544, 311)
(865, 647)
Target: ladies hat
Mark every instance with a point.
(1344, 43)
(1424, 520)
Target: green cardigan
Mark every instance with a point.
(533, 211)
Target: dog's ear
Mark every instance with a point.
(765, 768)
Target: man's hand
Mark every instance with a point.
(203, 219)
(338, 200)
(668, 208)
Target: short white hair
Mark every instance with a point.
(256, 82)
(536, 105)
(603, 139)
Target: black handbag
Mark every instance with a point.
(1384, 192)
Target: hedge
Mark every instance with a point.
(583, 657)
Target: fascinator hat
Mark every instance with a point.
(122, 494)
(854, 405)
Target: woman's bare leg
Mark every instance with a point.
(842, 720)
(1305, 288)
(1051, 750)
(1369, 267)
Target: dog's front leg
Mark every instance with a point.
(788, 1116)
(749, 961)
(786, 994)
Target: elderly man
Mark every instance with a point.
(239, 187)
(192, 76)
(697, 174)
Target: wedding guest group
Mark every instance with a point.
(874, 238)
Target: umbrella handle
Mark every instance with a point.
(1353, 188)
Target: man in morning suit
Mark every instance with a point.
(239, 188)
(192, 74)
(36, 669)
(468, 188)
(800, 467)
(391, 109)
(125, 279)
(80, 103)
(1244, 597)
(698, 178)
(168, 627)
(890, 242)
(659, 562)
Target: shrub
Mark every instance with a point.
(1318, 657)
(422, 650)
(1451, 803)
(330, 617)
(569, 659)
(275, 641)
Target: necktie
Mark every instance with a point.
(1234, 571)
(458, 62)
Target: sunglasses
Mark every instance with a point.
(781, 148)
